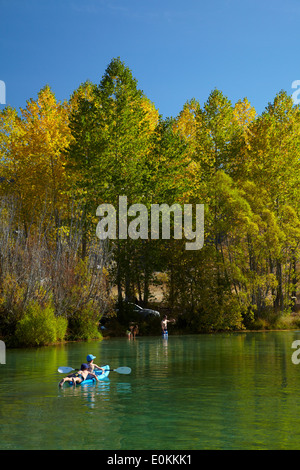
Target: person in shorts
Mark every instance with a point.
(79, 376)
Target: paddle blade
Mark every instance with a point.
(122, 370)
(65, 370)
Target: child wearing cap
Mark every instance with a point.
(79, 377)
(90, 360)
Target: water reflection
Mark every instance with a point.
(123, 388)
(95, 394)
(165, 345)
(90, 392)
(229, 391)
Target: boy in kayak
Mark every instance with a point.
(78, 377)
(90, 361)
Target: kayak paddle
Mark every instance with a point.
(120, 370)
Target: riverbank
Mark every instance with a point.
(114, 329)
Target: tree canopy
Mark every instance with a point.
(60, 160)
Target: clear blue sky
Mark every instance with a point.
(176, 50)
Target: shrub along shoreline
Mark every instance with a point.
(40, 327)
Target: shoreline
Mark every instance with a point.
(108, 337)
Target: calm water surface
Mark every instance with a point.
(227, 391)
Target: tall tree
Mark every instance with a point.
(271, 159)
(113, 132)
(34, 163)
(215, 130)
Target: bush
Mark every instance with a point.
(61, 328)
(39, 326)
(84, 325)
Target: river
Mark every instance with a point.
(223, 391)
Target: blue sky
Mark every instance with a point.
(176, 50)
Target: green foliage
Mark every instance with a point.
(39, 326)
(84, 325)
(61, 328)
(110, 141)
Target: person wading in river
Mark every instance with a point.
(164, 324)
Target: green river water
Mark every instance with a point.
(225, 391)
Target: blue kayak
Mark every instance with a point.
(100, 375)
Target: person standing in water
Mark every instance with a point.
(164, 324)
